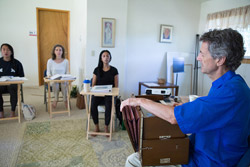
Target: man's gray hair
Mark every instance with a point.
(228, 43)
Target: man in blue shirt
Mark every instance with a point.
(220, 121)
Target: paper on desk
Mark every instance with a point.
(2, 79)
(11, 78)
(151, 84)
(102, 88)
(18, 79)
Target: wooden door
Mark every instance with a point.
(52, 29)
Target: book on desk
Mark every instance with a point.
(12, 78)
(62, 77)
(102, 88)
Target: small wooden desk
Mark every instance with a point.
(167, 85)
(48, 81)
(18, 98)
(115, 92)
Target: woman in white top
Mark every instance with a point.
(58, 64)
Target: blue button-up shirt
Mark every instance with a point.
(219, 123)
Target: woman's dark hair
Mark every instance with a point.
(225, 43)
(53, 51)
(10, 48)
(100, 63)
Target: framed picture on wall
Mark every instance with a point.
(166, 33)
(108, 32)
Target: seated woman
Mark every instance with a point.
(104, 74)
(58, 64)
(9, 66)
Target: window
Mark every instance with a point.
(237, 18)
(246, 35)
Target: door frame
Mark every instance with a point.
(38, 37)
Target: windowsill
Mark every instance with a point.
(246, 60)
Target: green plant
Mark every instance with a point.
(74, 91)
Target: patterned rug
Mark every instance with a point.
(64, 143)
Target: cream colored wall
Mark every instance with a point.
(146, 58)
(98, 9)
(17, 18)
(138, 54)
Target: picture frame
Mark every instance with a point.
(166, 33)
(108, 32)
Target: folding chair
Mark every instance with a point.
(19, 98)
(7, 94)
(101, 110)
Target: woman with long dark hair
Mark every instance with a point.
(104, 74)
(9, 66)
(58, 64)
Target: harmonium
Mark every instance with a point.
(157, 141)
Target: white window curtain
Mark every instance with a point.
(237, 18)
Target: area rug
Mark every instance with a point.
(64, 143)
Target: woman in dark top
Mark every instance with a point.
(104, 74)
(9, 66)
